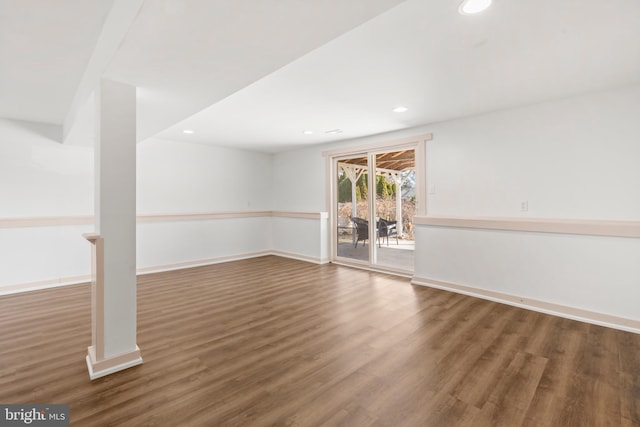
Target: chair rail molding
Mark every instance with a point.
(302, 217)
(60, 221)
(606, 228)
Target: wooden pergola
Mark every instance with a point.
(395, 161)
(391, 165)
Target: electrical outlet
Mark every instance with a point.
(524, 206)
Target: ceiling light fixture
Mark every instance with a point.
(334, 131)
(471, 7)
(187, 131)
(400, 109)
(307, 132)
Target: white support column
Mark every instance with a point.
(353, 173)
(114, 312)
(399, 227)
(354, 211)
(398, 180)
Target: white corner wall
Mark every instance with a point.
(196, 204)
(299, 186)
(301, 238)
(177, 177)
(40, 177)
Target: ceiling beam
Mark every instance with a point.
(114, 30)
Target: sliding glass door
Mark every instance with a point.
(374, 201)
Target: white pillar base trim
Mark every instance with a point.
(98, 369)
(573, 313)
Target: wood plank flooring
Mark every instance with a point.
(274, 342)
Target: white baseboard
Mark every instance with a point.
(65, 281)
(43, 284)
(291, 255)
(201, 262)
(596, 318)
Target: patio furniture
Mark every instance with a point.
(387, 229)
(362, 230)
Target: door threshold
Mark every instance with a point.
(375, 268)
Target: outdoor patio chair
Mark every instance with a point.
(387, 229)
(362, 230)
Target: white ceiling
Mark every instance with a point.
(186, 55)
(255, 74)
(45, 46)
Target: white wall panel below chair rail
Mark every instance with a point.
(302, 238)
(593, 278)
(38, 253)
(32, 257)
(167, 243)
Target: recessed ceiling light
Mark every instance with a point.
(400, 109)
(470, 7)
(308, 132)
(334, 131)
(188, 131)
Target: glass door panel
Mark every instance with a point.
(395, 206)
(352, 208)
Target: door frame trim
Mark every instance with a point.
(416, 143)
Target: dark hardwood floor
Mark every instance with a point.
(273, 341)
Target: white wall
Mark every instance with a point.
(299, 186)
(574, 158)
(201, 241)
(599, 274)
(571, 159)
(176, 177)
(181, 177)
(35, 254)
(39, 176)
(302, 238)
(298, 177)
